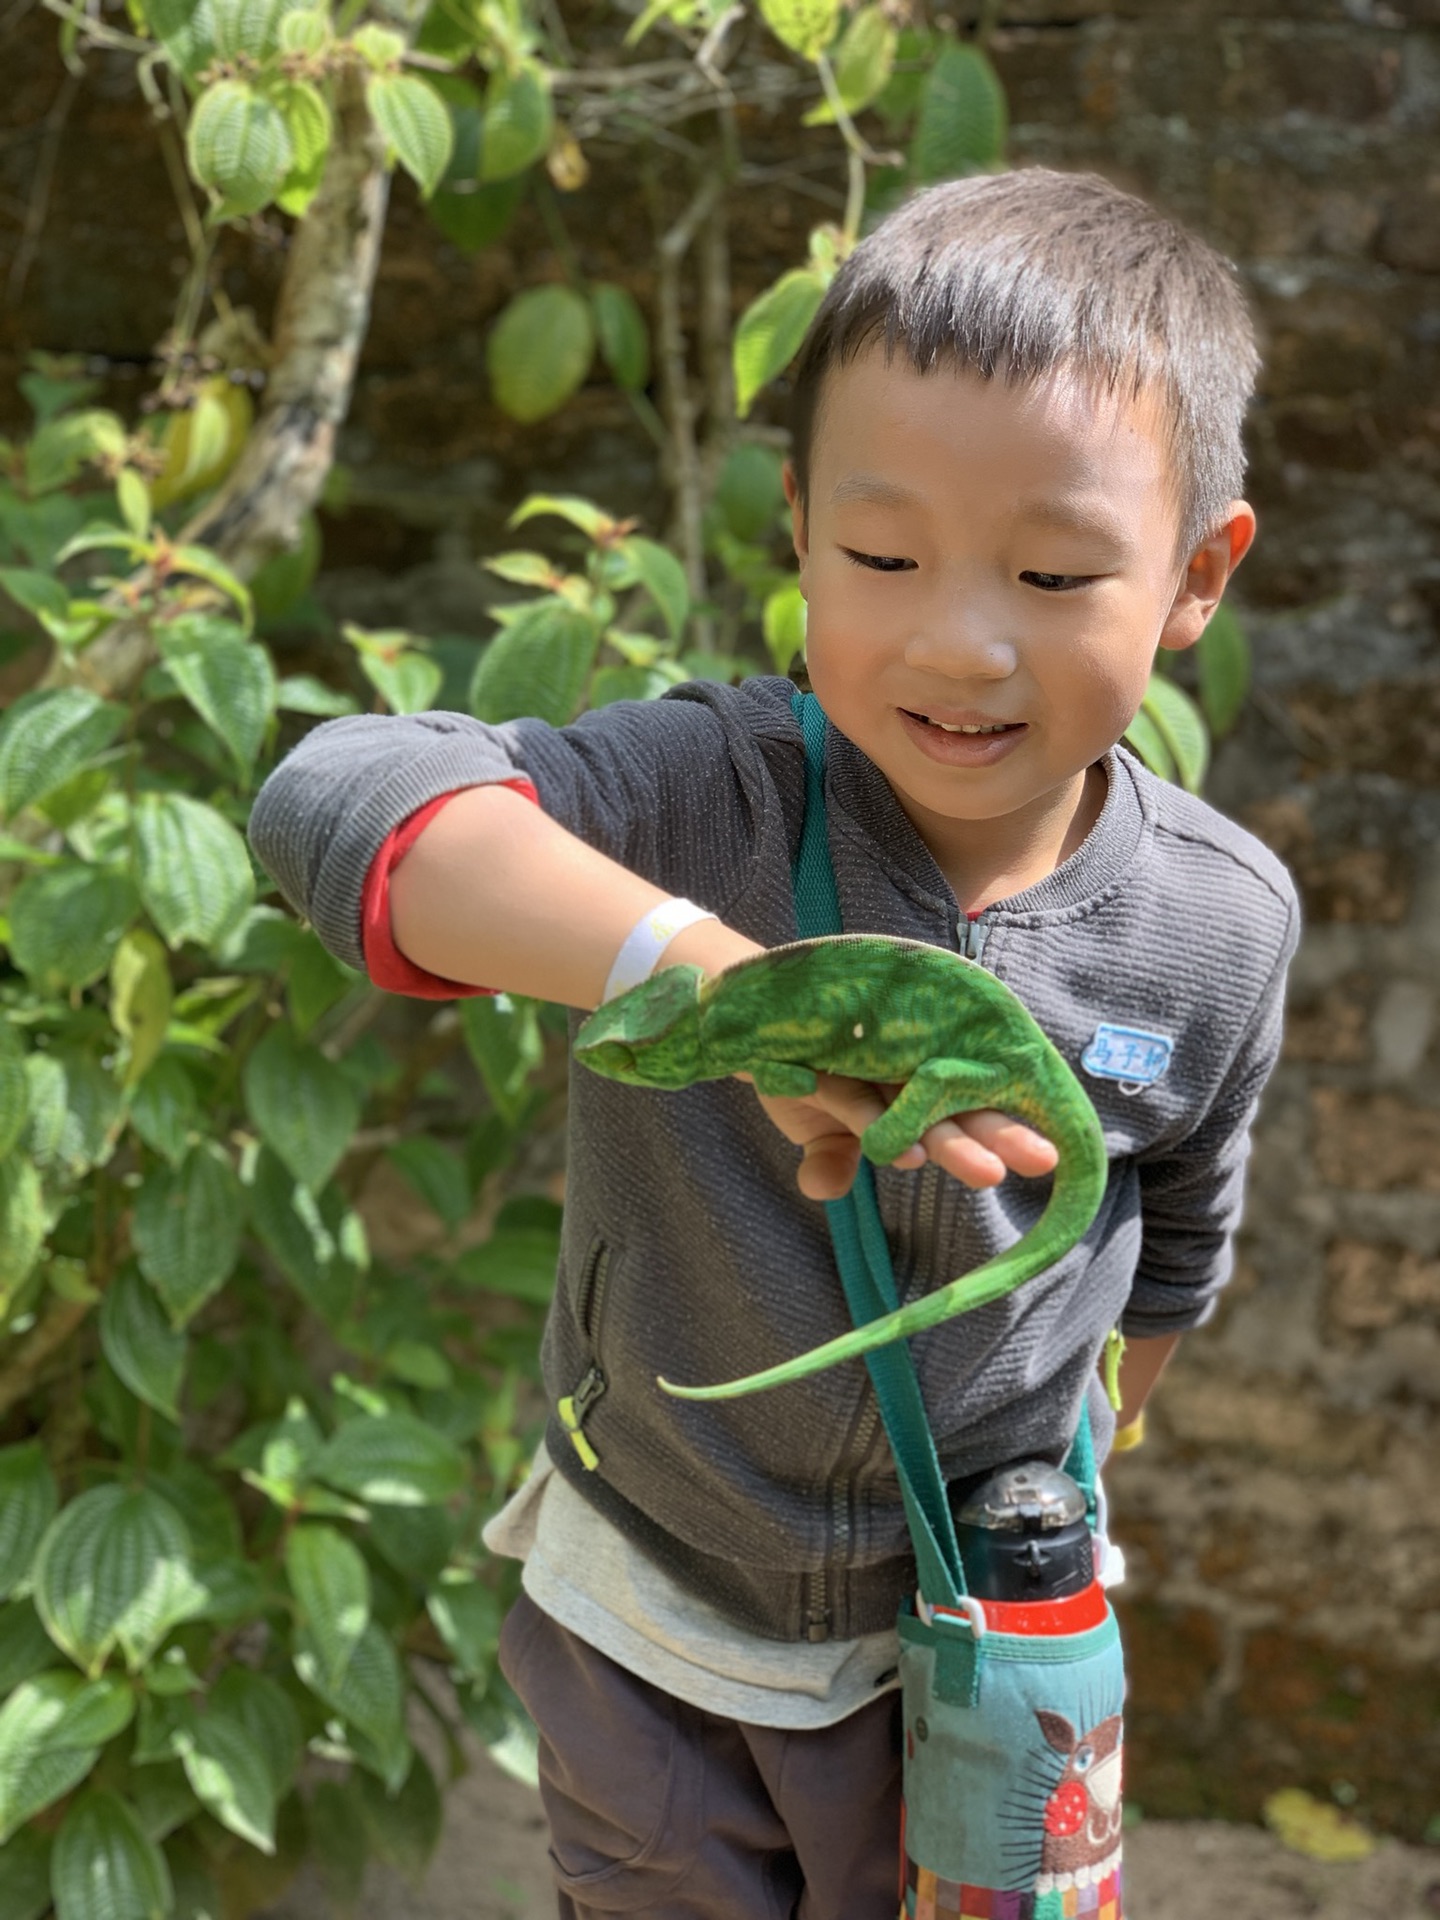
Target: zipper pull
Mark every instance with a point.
(1114, 1354)
(973, 935)
(572, 1411)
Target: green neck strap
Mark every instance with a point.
(863, 1254)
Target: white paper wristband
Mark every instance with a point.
(648, 939)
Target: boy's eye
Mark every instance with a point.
(1055, 582)
(877, 562)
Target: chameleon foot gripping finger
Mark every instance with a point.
(875, 1009)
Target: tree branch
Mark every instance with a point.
(320, 325)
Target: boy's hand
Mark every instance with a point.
(978, 1148)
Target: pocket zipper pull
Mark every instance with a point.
(572, 1411)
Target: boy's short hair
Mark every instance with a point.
(1035, 270)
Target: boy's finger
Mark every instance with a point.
(1020, 1148)
(952, 1147)
(829, 1166)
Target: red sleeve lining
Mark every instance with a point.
(387, 967)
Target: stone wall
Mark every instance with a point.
(1283, 1521)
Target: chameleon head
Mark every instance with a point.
(648, 1037)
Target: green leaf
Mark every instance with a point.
(1149, 742)
(805, 26)
(624, 338)
(14, 1088)
(517, 1262)
(132, 496)
(294, 1231)
(962, 123)
(1182, 728)
(25, 1647)
(141, 1345)
(339, 1839)
(25, 1884)
(114, 1571)
(369, 1696)
(228, 1774)
(64, 446)
(503, 1035)
(286, 576)
(663, 578)
(412, 118)
(36, 592)
(783, 623)
(1222, 659)
(303, 1105)
(331, 1585)
(303, 693)
(378, 46)
(208, 566)
(66, 922)
(307, 121)
(48, 735)
(227, 679)
(536, 666)
(437, 1174)
(264, 1710)
(105, 1868)
(165, 1108)
(472, 216)
(307, 30)
(140, 999)
(238, 146)
(248, 29)
(52, 1727)
(467, 1615)
(407, 684)
(24, 1222)
(591, 520)
(314, 984)
(404, 1827)
(392, 1459)
(864, 61)
(187, 1228)
(186, 30)
(628, 683)
(539, 352)
(750, 493)
(28, 1501)
(770, 332)
(518, 121)
(75, 1110)
(195, 874)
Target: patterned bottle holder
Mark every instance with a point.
(1012, 1805)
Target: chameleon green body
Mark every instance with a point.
(876, 1009)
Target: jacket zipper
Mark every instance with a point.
(972, 936)
(573, 1408)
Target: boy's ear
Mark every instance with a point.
(799, 528)
(1206, 573)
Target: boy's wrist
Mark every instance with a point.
(709, 945)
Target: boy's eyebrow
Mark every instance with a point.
(874, 491)
(1093, 520)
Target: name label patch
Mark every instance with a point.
(1128, 1054)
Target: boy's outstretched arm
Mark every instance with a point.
(548, 918)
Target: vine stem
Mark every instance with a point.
(859, 152)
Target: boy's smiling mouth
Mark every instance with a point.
(962, 739)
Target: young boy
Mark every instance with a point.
(1016, 468)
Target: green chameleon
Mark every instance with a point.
(883, 1010)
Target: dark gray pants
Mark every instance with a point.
(658, 1807)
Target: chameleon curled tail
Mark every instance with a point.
(883, 1010)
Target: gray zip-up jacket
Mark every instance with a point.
(1154, 958)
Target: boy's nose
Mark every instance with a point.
(962, 644)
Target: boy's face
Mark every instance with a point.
(981, 556)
